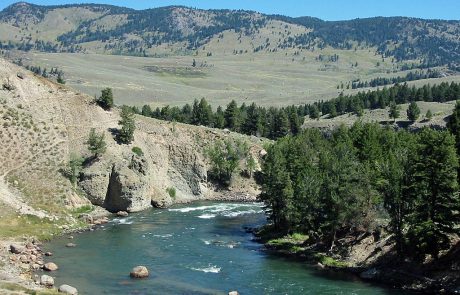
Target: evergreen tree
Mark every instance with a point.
(453, 124)
(429, 115)
(252, 122)
(126, 133)
(60, 78)
(219, 118)
(394, 111)
(146, 111)
(96, 143)
(105, 101)
(413, 112)
(314, 112)
(433, 188)
(232, 116)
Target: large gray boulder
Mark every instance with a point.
(50, 266)
(16, 249)
(46, 281)
(66, 289)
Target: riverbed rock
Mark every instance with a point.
(50, 266)
(233, 293)
(122, 214)
(66, 289)
(48, 254)
(139, 272)
(16, 249)
(46, 281)
(71, 245)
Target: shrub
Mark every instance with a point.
(138, 151)
(172, 192)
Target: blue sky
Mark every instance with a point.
(324, 9)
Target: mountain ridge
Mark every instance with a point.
(180, 29)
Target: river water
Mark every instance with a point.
(190, 249)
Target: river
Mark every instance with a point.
(201, 248)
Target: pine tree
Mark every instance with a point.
(394, 111)
(146, 111)
(105, 101)
(432, 185)
(232, 116)
(252, 122)
(128, 126)
(413, 112)
(219, 118)
(429, 115)
(454, 125)
(96, 143)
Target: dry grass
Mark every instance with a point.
(268, 79)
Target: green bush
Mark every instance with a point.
(172, 192)
(138, 151)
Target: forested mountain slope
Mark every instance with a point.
(176, 29)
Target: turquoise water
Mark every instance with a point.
(191, 249)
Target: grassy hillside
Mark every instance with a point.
(267, 79)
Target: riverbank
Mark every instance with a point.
(371, 258)
(22, 257)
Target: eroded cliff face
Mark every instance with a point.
(52, 122)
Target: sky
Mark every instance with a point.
(324, 9)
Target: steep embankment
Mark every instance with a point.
(43, 123)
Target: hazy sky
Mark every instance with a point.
(324, 9)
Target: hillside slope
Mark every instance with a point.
(43, 123)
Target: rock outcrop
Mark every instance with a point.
(139, 272)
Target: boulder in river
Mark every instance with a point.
(122, 214)
(46, 281)
(66, 289)
(139, 272)
(70, 245)
(233, 293)
(16, 249)
(50, 266)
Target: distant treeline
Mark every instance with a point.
(275, 123)
(380, 99)
(412, 76)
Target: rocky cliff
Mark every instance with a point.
(42, 124)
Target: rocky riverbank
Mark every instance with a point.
(371, 258)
